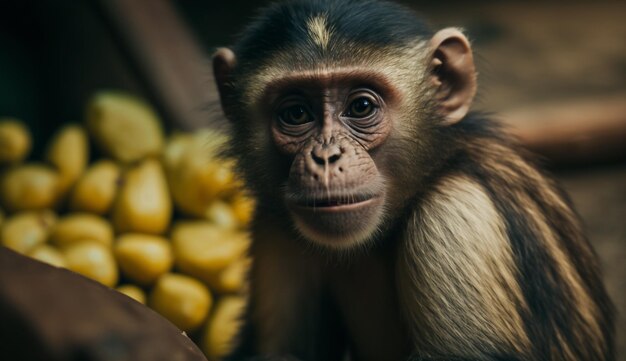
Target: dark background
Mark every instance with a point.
(55, 53)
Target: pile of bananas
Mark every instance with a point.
(160, 220)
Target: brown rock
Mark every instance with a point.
(49, 313)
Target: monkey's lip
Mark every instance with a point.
(337, 204)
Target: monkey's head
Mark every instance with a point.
(341, 110)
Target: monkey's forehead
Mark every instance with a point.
(329, 25)
(402, 66)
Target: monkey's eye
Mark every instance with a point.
(361, 107)
(295, 115)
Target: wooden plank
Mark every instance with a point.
(167, 60)
(575, 131)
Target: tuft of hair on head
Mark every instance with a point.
(319, 30)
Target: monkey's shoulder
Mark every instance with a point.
(490, 154)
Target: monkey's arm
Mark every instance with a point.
(461, 294)
(290, 315)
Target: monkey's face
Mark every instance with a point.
(341, 139)
(330, 127)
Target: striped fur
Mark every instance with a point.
(458, 259)
(509, 242)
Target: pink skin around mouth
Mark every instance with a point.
(341, 207)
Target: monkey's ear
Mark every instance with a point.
(453, 73)
(224, 61)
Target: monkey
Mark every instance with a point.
(392, 222)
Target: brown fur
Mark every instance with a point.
(455, 275)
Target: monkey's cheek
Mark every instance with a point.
(339, 227)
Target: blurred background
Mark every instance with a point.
(554, 71)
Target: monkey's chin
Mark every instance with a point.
(340, 226)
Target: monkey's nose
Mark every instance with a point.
(326, 154)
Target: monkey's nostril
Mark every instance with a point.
(325, 155)
(317, 159)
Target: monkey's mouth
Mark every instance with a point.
(336, 203)
(337, 220)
